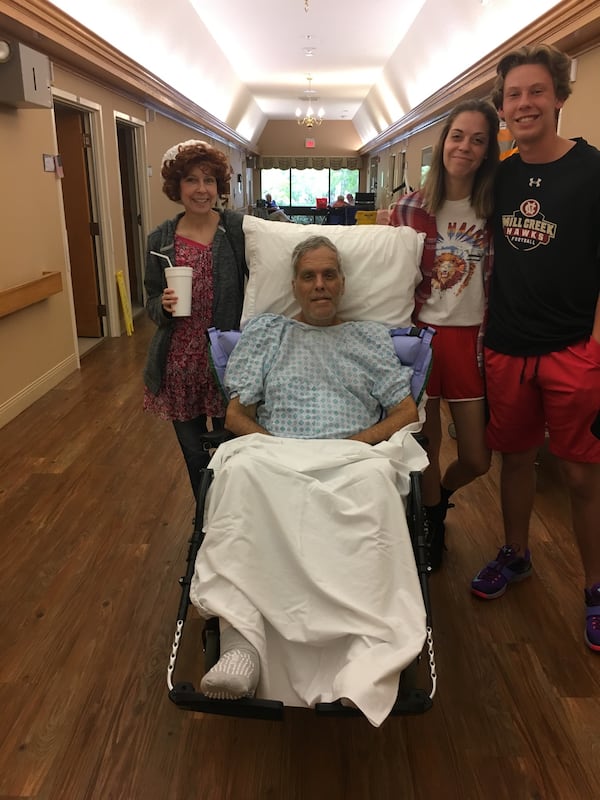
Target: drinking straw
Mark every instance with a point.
(161, 255)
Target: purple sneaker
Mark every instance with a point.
(592, 617)
(508, 567)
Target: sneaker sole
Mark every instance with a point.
(484, 596)
(591, 645)
(518, 577)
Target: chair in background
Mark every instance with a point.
(342, 215)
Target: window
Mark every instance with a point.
(277, 184)
(301, 187)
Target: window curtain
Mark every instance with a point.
(305, 162)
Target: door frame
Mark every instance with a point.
(142, 174)
(72, 127)
(101, 210)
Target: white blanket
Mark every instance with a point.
(307, 553)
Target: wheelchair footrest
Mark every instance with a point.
(415, 702)
(184, 696)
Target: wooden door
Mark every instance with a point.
(81, 228)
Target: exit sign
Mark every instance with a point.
(309, 143)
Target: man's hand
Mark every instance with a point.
(241, 420)
(397, 417)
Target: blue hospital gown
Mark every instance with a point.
(316, 382)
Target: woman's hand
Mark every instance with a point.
(169, 300)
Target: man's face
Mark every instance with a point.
(318, 286)
(530, 103)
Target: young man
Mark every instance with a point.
(542, 353)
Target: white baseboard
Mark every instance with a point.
(27, 396)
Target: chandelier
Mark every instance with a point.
(310, 119)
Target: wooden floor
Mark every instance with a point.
(95, 515)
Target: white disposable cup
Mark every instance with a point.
(180, 279)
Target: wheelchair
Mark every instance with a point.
(412, 345)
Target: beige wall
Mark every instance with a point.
(581, 114)
(36, 344)
(287, 138)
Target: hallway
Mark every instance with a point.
(96, 513)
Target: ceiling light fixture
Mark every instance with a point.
(310, 119)
(306, 6)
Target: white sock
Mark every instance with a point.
(236, 673)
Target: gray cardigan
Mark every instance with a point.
(229, 271)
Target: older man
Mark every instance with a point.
(305, 560)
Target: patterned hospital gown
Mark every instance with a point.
(316, 382)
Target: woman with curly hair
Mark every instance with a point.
(452, 210)
(179, 385)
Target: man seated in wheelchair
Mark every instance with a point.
(307, 559)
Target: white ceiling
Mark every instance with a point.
(245, 61)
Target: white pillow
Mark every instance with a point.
(381, 264)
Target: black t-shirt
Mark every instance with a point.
(546, 275)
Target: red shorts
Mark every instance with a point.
(559, 392)
(455, 374)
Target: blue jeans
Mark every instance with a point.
(192, 447)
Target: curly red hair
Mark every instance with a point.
(188, 156)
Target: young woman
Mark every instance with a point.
(452, 210)
(178, 379)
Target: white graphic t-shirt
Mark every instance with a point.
(457, 296)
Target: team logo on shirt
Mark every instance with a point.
(449, 270)
(527, 228)
(454, 267)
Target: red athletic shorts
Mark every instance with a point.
(455, 374)
(559, 391)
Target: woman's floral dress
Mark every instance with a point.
(188, 389)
